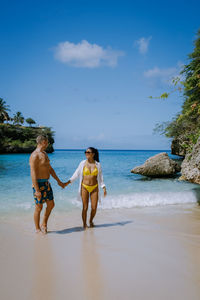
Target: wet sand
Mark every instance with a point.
(142, 253)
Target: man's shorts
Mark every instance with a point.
(46, 191)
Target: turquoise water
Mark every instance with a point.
(124, 188)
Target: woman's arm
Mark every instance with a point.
(75, 175)
(102, 184)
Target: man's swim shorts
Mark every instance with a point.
(46, 191)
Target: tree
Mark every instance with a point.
(18, 118)
(30, 121)
(4, 108)
(186, 125)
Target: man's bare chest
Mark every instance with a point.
(44, 161)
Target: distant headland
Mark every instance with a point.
(15, 137)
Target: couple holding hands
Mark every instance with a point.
(89, 173)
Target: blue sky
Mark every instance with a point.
(86, 68)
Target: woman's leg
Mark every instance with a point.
(94, 202)
(85, 200)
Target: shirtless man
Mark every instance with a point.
(42, 191)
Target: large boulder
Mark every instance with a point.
(159, 165)
(190, 168)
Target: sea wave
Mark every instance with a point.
(25, 205)
(148, 199)
(137, 199)
(145, 199)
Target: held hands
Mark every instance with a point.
(60, 183)
(67, 183)
(63, 184)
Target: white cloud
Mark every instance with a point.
(86, 55)
(93, 138)
(99, 137)
(164, 75)
(143, 44)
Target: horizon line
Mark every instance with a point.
(82, 149)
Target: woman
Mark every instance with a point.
(91, 179)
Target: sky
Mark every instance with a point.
(87, 68)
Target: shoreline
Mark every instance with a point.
(82, 149)
(131, 253)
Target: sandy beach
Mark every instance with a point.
(148, 253)
(100, 116)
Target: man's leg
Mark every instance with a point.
(50, 206)
(38, 208)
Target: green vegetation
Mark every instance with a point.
(4, 109)
(18, 118)
(15, 138)
(30, 121)
(185, 127)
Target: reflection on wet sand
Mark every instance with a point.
(92, 275)
(43, 269)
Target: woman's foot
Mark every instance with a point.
(44, 229)
(37, 230)
(91, 224)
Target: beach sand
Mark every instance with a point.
(141, 253)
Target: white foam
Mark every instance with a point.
(139, 199)
(147, 199)
(24, 205)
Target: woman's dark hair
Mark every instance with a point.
(96, 153)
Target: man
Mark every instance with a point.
(42, 191)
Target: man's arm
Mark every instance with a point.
(33, 165)
(53, 174)
(67, 183)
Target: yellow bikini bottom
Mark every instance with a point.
(90, 188)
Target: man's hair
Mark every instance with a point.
(41, 138)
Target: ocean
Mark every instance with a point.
(125, 190)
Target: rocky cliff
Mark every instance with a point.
(190, 168)
(177, 146)
(21, 139)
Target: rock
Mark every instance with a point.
(177, 146)
(190, 168)
(159, 165)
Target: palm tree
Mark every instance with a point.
(4, 116)
(18, 118)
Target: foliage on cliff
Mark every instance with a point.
(21, 139)
(185, 127)
(15, 138)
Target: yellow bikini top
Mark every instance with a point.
(86, 171)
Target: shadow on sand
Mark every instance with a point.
(78, 228)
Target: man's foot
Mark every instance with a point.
(91, 224)
(44, 229)
(85, 226)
